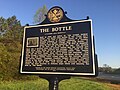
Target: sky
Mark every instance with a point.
(105, 15)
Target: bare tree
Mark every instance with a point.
(40, 14)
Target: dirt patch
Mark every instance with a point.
(114, 86)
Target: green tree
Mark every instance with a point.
(14, 28)
(9, 60)
(11, 33)
(10, 47)
(40, 14)
(11, 28)
(3, 25)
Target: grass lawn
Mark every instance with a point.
(41, 84)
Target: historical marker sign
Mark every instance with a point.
(59, 48)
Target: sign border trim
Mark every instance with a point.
(61, 73)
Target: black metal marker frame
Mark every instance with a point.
(54, 79)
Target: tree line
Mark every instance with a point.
(11, 33)
(109, 70)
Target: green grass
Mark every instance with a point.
(25, 85)
(41, 84)
(80, 84)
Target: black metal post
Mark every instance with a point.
(53, 84)
(54, 80)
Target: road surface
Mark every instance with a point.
(111, 77)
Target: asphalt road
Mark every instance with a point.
(111, 77)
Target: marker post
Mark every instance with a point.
(54, 80)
